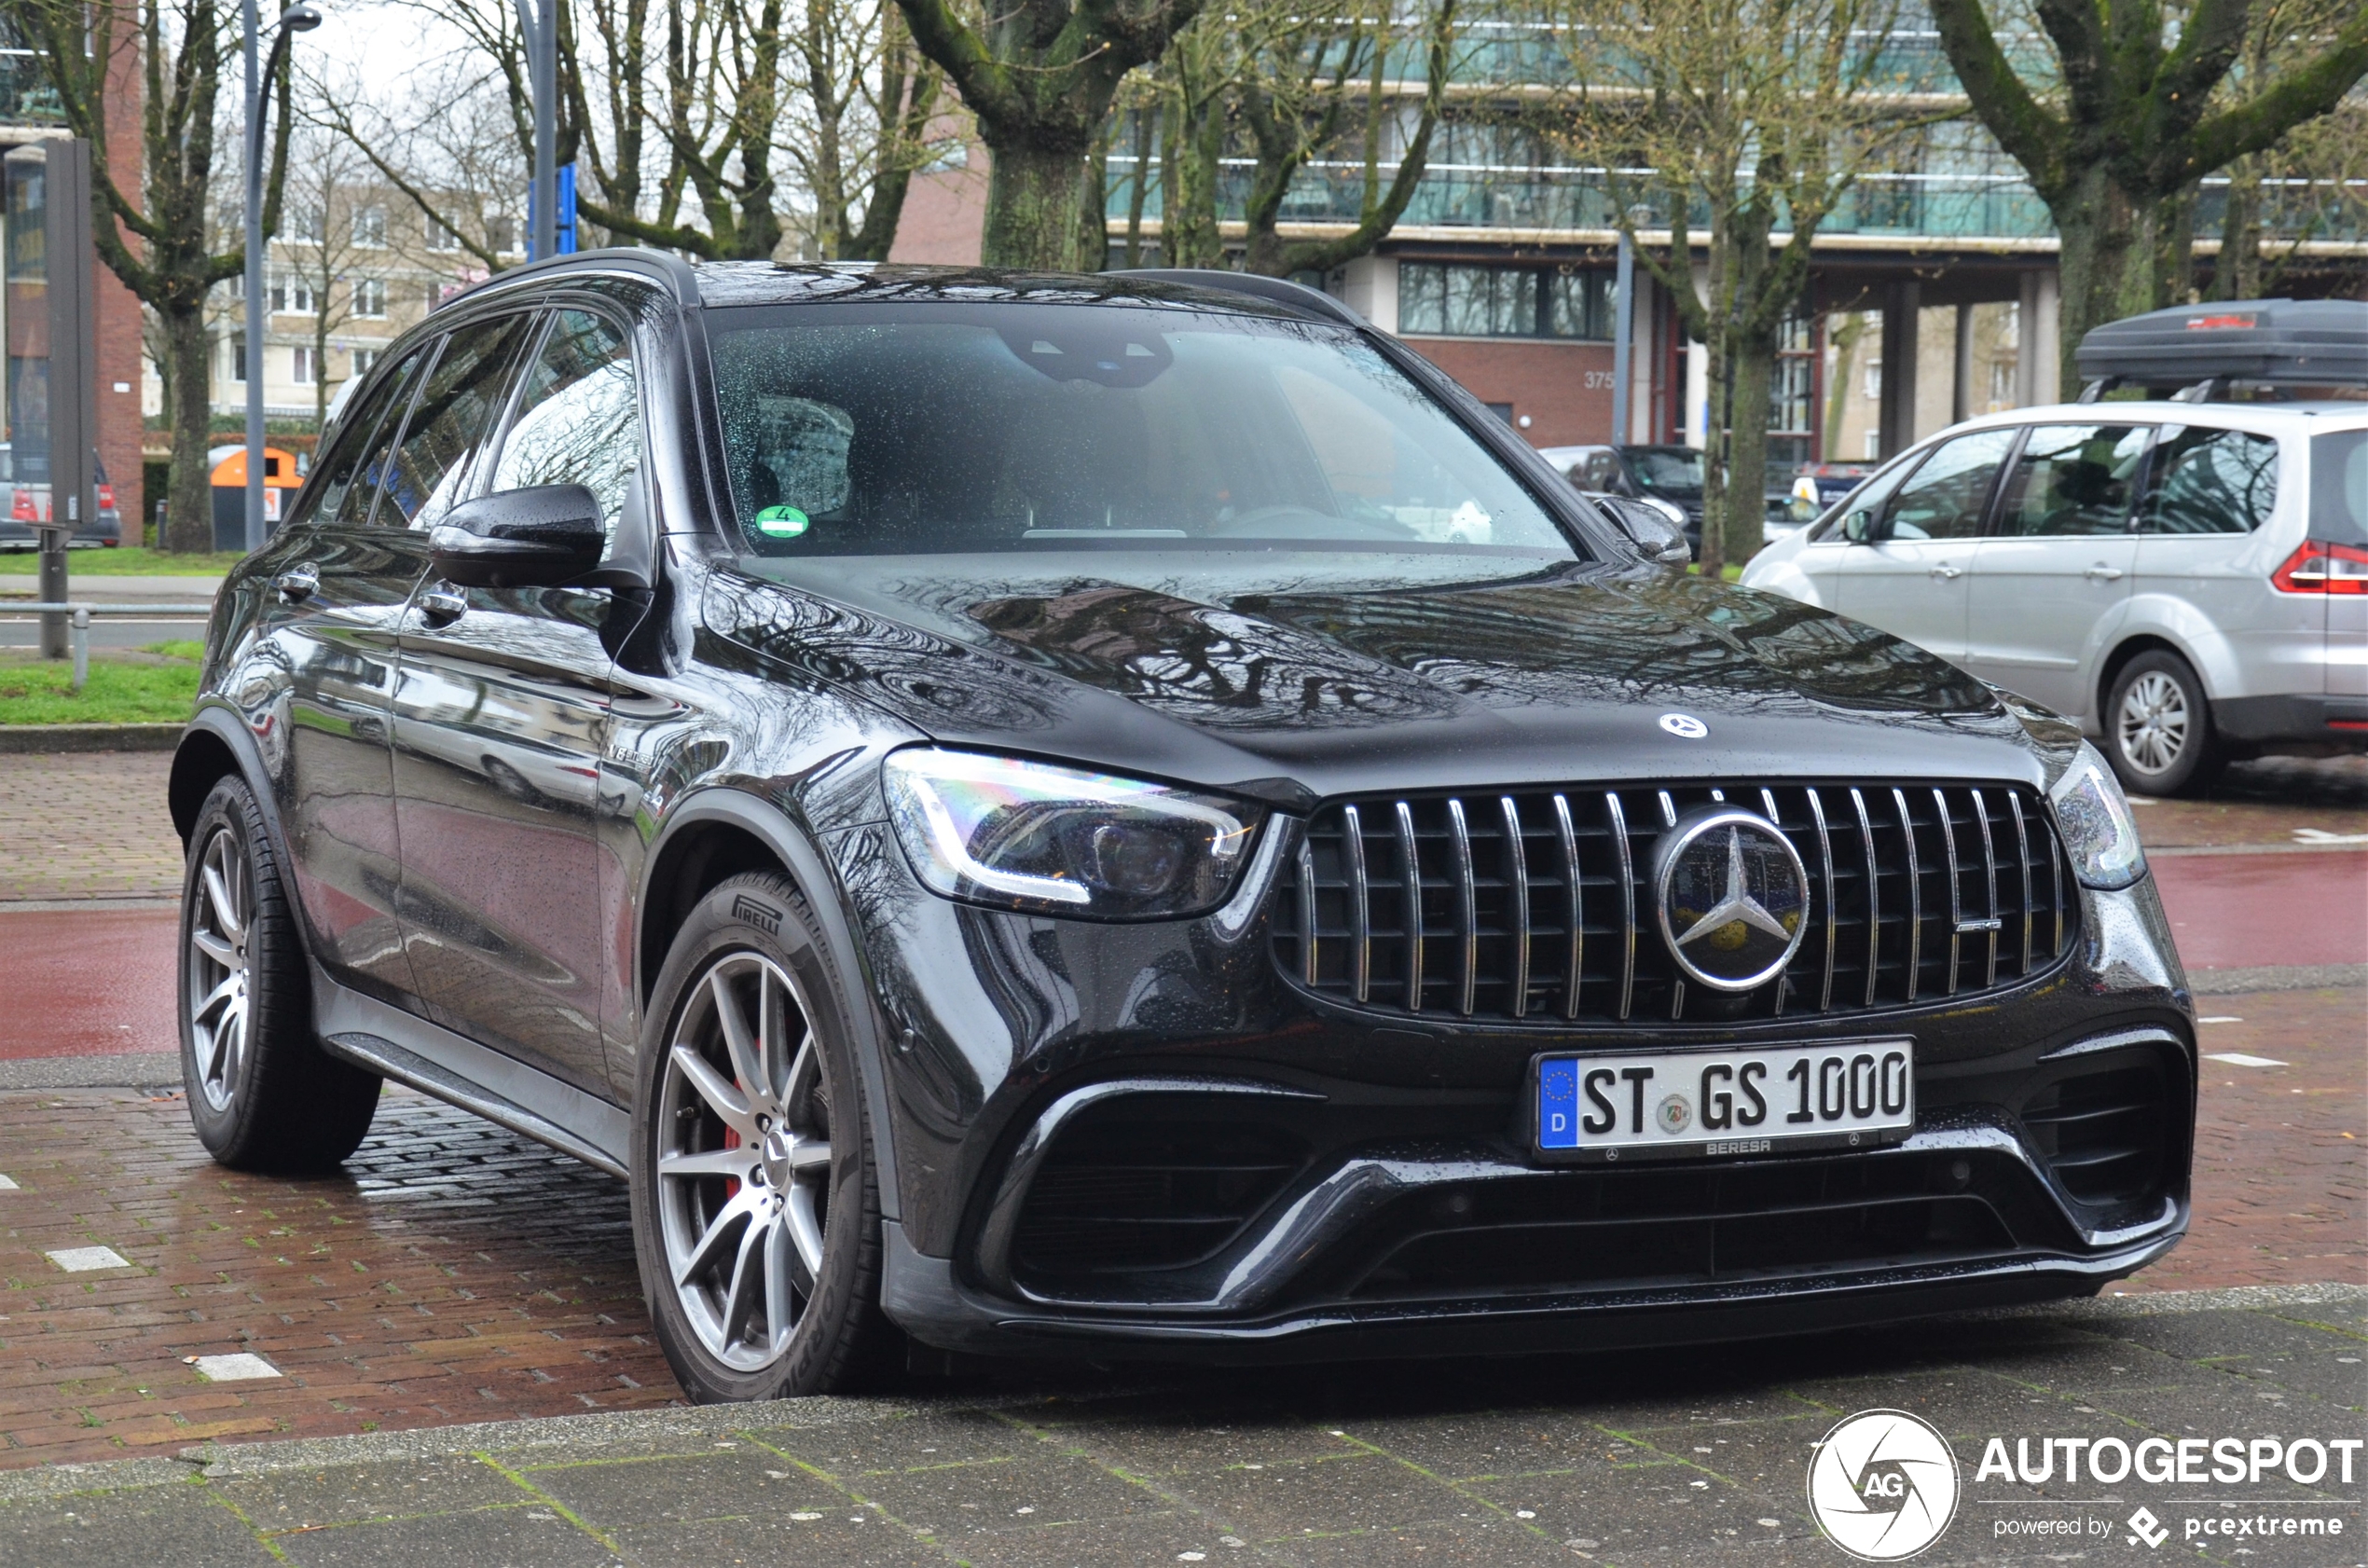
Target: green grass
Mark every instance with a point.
(119, 692)
(125, 561)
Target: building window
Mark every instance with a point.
(502, 235)
(362, 359)
(1456, 301)
(1792, 393)
(370, 226)
(291, 296)
(304, 368)
(238, 356)
(441, 237)
(303, 224)
(370, 298)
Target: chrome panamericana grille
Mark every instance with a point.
(1537, 906)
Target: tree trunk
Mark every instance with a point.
(2236, 272)
(1193, 238)
(2095, 228)
(189, 520)
(1033, 196)
(1712, 558)
(1753, 369)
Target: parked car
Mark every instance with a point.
(2188, 580)
(1669, 476)
(27, 503)
(1230, 858)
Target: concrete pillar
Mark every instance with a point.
(1697, 404)
(2045, 317)
(1961, 402)
(1646, 373)
(1896, 417)
(1368, 287)
(2027, 342)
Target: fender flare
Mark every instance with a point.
(221, 722)
(772, 827)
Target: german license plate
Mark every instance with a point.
(1713, 1102)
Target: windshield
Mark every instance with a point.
(1667, 471)
(931, 429)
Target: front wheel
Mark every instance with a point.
(756, 1208)
(2158, 731)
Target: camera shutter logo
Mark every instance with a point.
(1883, 1485)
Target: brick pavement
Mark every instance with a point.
(56, 845)
(455, 1272)
(1698, 1459)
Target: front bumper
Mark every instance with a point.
(1369, 1192)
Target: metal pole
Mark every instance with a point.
(259, 306)
(1623, 345)
(81, 648)
(542, 66)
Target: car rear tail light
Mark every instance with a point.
(2322, 568)
(107, 498)
(20, 511)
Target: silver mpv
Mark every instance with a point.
(2188, 580)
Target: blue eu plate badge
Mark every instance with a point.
(1558, 1106)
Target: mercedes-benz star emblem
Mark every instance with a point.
(1684, 727)
(1732, 897)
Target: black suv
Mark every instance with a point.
(1127, 816)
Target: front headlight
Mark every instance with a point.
(1060, 841)
(2094, 817)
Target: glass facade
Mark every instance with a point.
(1457, 299)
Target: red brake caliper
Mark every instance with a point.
(731, 1184)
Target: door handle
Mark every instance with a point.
(443, 602)
(2102, 572)
(298, 583)
(1946, 571)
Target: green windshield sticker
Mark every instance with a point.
(781, 522)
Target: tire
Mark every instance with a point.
(262, 1093)
(756, 1216)
(2158, 731)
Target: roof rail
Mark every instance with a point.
(1282, 291)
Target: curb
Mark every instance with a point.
(16, 739)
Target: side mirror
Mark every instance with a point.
(538, 537)
(1859, 528)
(1656, 537)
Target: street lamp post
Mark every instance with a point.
(295, 20)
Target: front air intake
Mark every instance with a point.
(2105, 1132)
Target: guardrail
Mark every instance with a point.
(79, 625)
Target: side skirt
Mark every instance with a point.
(409, 1049)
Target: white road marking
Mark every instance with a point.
(235, 1367)
(2320, 835)
(82, 1260)
(6, 1185)
(2221, 1020)
(2239, 1059)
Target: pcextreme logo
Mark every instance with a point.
(1883, 1485)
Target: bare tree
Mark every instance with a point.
(1759, 114)
(1039, 77)
(2136, 106)
(316, 254)
(160, 240)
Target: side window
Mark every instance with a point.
(2210, 481)
(1949, 491)
(348, 479)
(455, 407)
(579, 419)
(2073, 480)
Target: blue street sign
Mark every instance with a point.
(566, 238)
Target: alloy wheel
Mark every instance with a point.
(221, 972)
(743, 1154)
(2154, 721)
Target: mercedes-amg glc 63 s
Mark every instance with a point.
(1127, 816)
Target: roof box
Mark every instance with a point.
(2292, 342)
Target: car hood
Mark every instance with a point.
(1560, 672)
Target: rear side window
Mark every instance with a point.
(2210, 481)
(456, 408)
(2339, 487)
(349, 474)
(2073, 480)
(1948, 495)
